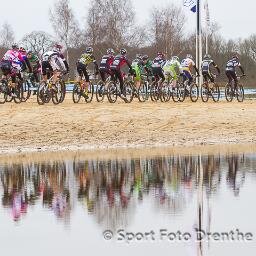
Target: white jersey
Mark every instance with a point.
(55, 59)
(187, 64)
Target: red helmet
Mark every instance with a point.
(22, 49)
(58, 47)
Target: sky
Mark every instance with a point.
(236, 18)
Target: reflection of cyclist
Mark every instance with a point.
(207, 63)
(231, 69)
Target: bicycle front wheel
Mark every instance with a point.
(229, 92)
(205, 92)
(142, 92)
(112, 92)
(25, 92)
(215, 93)
(128, 92)
(100, 91)
(76, 93)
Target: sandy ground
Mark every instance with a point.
(28, 127)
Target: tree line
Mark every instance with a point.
(112, 23)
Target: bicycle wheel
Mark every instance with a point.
(204, 92)
(240, 93)
(182, 92)
(3, 89)
(165, 93)
(215, 92)
(26, 92)
(176, 93)
(76, 93)
(63, 89)
(142, 92)
(194, 92)
(112, 92)
(100, 91)
(57, 93)
(128, 91)
(90, 93)
(18, 93)
(152, 91)
(229, 92)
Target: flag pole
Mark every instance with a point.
(199, 39)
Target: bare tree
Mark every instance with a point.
(167, 28)
(64, 23)
(37, 41)
(110, 22)
(6, 35)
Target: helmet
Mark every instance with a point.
(160, 54)
(189, 56)
(139, 56)
(58, 47)
(89, 50)
(235, 56)
(123, 51)
(145, 57)
(29, 52)
(22, 49)
(175, 58)
(110, 51)
(15, 46)
(207, 57)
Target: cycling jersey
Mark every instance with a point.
(187, 64)
(55, 59)
(106, 62)
(206, 66)
(87, 59)
(172, 68)
(119, 62)
(158, 62)
(232, 64)
(137, 67)
(14, 57)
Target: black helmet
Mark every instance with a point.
(235, 56)
(89, 50)
(123, 51)
(145, 57)
(15, 46)
(207, 57)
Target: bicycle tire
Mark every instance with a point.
(90, 93)
(112, 92)
(182, 92)
(215, 92)
(176, 93)
(3, 88)
(128, 92)
(240, 93)
(100, 91)
(194, 92)
(63, 88)
(18, 92)
(142, 92)
(229, 94)
(25, 92)
(57, 93)
(165, 94)
(76, 93)
(205, 92)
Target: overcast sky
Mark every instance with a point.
(236, 18)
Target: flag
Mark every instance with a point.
(191, 4)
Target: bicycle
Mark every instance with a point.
(232, 91)
(178, 91)
(191, 90)
(80, 90)
(211, 89)
(101, 90)
(47, 91)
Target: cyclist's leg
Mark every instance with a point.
(103, 75)
(229, 76)
(120, 79)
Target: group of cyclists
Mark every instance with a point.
(52, 62)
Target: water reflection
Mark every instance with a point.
(110, 190)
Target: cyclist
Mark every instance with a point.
(231, 69)
(119, 61)
(173, 69)
(105, 64)
(187, 65)
(206, 68)
(11, 65)
(82, 65)
(25, 64)
(157, 67)
(137, 67)
(147, 65)
(35, 64)
(55, 62)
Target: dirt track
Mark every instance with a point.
(29, 127)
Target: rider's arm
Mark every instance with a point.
(196, 69)
(216, 66)
(241, 68)
(28, 65)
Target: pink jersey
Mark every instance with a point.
(14, 57)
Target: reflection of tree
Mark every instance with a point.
(110, 190)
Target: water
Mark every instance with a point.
(151, 206)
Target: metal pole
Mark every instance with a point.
(199, 40)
